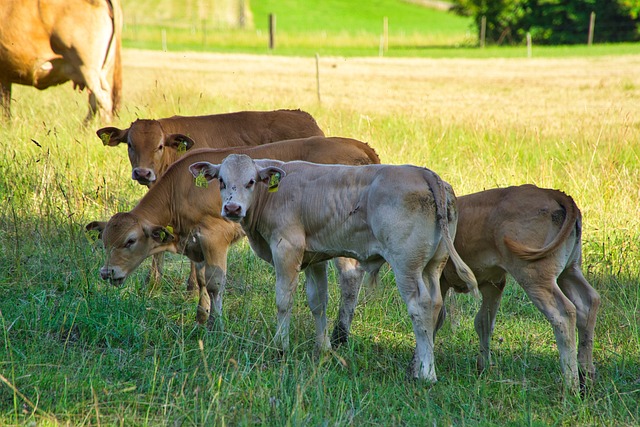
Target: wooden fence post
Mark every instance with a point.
(483, 30)
(528, 45)
(592, 24)
(272, 31)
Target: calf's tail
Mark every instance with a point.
(572, 217)
(437, 187)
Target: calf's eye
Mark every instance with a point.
(129, 243)
(250, 183)
(222, 184)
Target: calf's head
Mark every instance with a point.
(238, 176)
(150, 149)
(128, 241)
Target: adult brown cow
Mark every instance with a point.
(46, 43)
(533, 234)
(177, 216)
(404, 215)
(153, 145)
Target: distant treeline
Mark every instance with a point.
(553, 21)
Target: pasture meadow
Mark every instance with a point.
(77, 351)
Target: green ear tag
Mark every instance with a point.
(274, 181)
(92, 236)
(169, 229)
(201, 181)
(105, 138)
(182, 147)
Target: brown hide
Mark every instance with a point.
(153, 145)
(533, 234)
(46, 43)
(193, 212)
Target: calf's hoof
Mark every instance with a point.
(339, 335)
(202, 316)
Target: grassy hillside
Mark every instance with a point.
(329, 28)
(302, 27)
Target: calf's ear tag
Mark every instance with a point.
(201, 181)
(182, 147)
(105, 138)
(169, 229)
(274, 182)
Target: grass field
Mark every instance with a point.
(76, 351)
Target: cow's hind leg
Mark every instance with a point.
(99, 94)
(350, 278)
(561, 313)
(317, 297)
(586, 300)
(485, 320)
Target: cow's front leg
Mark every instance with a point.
(211, 282)
(155, 271)
(286, 260)
(211, 276)
(316, 284)
(204, 301)
(192, 280)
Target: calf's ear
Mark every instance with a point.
(271, 176)
(112, 136)
(205, 169)
(181, 143)
(162, 235)
(94, 230)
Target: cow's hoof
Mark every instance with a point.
(339, 336)
(202, 316)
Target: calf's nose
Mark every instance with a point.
(232, 209)
(106, 273)
(143, 174)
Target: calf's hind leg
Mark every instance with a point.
(547, 296)
(485, 320)
(420, 291)
(586, 300)
(350, 278)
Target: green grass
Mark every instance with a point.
(76, 351)
(302, 28)
(328, 28)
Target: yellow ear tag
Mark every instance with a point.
(92, 236)
(201, 181)
(169, 229)
(105, 138)
(274, 181)
(182, 147)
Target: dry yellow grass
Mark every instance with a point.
(570, 124)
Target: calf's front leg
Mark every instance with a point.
(286, 260)
(317, 297)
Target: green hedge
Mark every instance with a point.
(554, 21)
